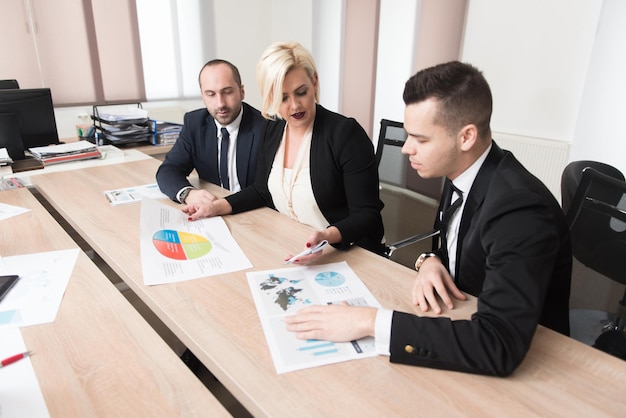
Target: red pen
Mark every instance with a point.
(13, 359)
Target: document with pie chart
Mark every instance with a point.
(282, 292)
(174, 249)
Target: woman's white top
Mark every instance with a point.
(291, 189)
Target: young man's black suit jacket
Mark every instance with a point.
(514, 254)
(196, 148)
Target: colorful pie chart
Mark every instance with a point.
(179, 245)
(330, 279)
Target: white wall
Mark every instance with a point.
(599, 133)
(556, 68)
(396, 44)
(328, 18)
(534, 54)
(248, 27)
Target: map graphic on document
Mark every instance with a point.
(282, 292)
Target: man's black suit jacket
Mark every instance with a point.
(196, 148)
(514, 254)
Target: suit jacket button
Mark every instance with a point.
(409, 349)
(422, 352)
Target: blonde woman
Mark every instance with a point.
(315, 166)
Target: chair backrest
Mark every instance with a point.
(9, 84)
(391, 163)
(391, 133)
(597, 220)
(393, 166)
(572, 174)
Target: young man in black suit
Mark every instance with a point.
(220, 142)
(507, 243)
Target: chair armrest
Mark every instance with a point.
(408, 241)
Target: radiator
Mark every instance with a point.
(545, 158)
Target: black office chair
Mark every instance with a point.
(594, 200)
(392, 169)
(391, 163)
(9, 84)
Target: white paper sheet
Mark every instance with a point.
(133, 194)
(20, 394)
(8, 211)
(174, 249)
(282, 292)
(36, 297)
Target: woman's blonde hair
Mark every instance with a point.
(277, 60)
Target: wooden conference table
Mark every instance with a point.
(217, 319)
(99, 357)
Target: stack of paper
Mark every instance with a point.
(126, 114)
(73, 151)
(123, 125)
(4, 157)
(121, 134)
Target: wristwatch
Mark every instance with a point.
(420, 260)
(184, 194)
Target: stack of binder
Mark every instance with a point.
(165, 133)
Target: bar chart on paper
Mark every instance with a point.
(179, 245)
(318, 348)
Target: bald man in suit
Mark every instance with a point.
(200, 145)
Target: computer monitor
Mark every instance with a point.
(34, 115)
(10, 137)
(9, 84)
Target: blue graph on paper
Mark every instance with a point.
(319, 348)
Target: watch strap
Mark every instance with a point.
(182, 195)
(422, 257)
